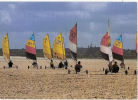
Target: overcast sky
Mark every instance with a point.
(21, 19)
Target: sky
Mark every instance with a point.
(21, 19)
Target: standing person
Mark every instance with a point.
(66, 64)
(10, 64)
(78, 67)
(52, 64)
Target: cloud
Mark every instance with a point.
(90, 7)
(12, 6)
(5, 17)
(123, 19)
(65, 14)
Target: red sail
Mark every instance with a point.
(105, 47)
(73, 42)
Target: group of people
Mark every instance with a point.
(60, 65)
(114, 68)
(65, 65)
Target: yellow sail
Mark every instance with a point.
(63, 48)
(58, 51)
(5, 47)
(46, 47)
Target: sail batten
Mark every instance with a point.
(47, 47)
(31, 48)
(5, 47)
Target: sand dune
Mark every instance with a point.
(49, 83)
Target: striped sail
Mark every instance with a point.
(105, 47)
(73, 42)
(58, 51)
(46, 47)
(5, 47)
(31, 48)
(118, 48)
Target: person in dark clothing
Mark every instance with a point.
(52, 64)
(115, 68)
(34, 64)
(66, 64)
(10, 64)
(78, 67)
(60, 65)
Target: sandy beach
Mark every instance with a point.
(48, 83)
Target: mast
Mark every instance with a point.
(122, 48)
(110, 54)
(62, 46)
(76, 43)
(35, 46)
(9, 45)
(108, 26)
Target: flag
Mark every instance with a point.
(31, 48)
(105, 47)
(118, 49)
(73, 42)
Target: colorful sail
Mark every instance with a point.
(105, 47)
(73, 42)
(31, 48)
(118, 48)
(63, 47)
(5, 47)
(46, 47)
(58, 51)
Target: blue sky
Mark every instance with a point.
(21, 19)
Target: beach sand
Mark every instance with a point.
(48, 83)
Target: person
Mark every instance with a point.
(122, 65)
(66, 64)
(110, 66)
(10, 64)
(52, 64)
(60, 65)
(115, 68)
(34, 64)
(78, 67)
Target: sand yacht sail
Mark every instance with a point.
(58, 48)
(47, 48)
(73, 42)
(6, 51)
(31, 50)
(105, 46)
(6, 48)
(118, 49)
